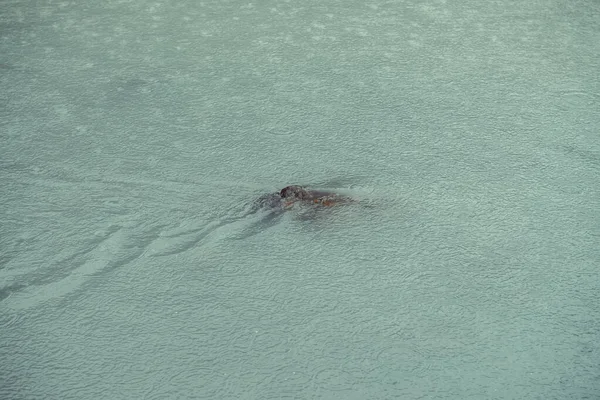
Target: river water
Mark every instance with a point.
(136, 135)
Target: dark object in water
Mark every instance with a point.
(294, 193)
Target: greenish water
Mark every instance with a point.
(135, 136)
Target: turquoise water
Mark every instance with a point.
(135, 136)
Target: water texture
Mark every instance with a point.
(135, 137)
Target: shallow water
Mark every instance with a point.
(136, 135)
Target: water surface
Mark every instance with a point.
(135, 136)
